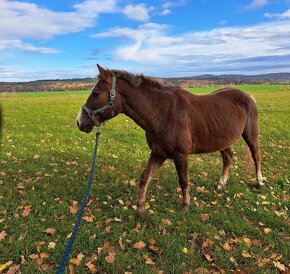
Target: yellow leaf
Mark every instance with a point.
(147, 206)
(185, 250)
(51, 245)
(3, 266)
(245, 254)
(139, 245)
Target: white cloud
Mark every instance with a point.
(255, 4)
(216, 48)
(165, 12)
(17, 44)
(284, 15)
(176, 3)
(138, 12)
(27, 20)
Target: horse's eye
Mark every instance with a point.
(95, 94)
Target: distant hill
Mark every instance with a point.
(185, 82)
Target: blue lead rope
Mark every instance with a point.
(64, 258)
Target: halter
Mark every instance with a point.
(92, 113)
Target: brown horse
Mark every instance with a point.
(177, 123)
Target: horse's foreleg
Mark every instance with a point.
(153, 164)
(227, 160)
(181, 163)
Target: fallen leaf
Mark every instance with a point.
(109, 220)
(108, 229)
(148, 260)
(279, 266)
(110, 259)
(26, 211)
(121, 244)
(227, 246)
(155, 249)
(71, 269)
(185, 250)
(91, 267)
(139, 245)
(267, 230)
(245, 254)
(51, 245)
(3, 234)
(104, 247)
(50, 231)
(68, 163)
(73, 208)
(166, 221)
(88, 219)
(75, 261)
(39, 246)
(4, 266)
(44, 255)
(14, 269)
(205, 244)
(204, 217)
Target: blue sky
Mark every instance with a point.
(66, 39)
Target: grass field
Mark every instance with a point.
(44, 166)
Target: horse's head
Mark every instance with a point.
(102, 104)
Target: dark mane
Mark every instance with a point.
(138, 80)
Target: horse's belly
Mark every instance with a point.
(216, 139)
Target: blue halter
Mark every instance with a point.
(92, 113)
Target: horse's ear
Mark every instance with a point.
(106, 75)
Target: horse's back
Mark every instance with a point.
(235, 96)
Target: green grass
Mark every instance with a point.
(45, 162)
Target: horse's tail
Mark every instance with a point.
(1, 122)
(252, 112)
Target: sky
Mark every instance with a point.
(53, 39)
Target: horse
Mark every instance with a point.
(176, 123)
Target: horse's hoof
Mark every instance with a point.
(142, 214)
(184, 208)
(261, 186)
(219, 188)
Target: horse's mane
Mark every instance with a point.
(138, 80)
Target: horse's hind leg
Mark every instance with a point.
(153, 164)
(227, 160)
(251, 137)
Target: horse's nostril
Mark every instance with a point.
(78, 124)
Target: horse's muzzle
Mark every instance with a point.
(84, 128)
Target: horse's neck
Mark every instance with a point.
(146, 108)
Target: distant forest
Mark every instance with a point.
(184, 82)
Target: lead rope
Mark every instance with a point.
(69, 246)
